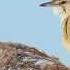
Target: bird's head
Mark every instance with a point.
(61, 6)
(55, 3)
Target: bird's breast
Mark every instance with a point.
(66, 33)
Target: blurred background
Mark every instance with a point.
(25, 22)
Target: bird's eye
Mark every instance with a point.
(63, 2)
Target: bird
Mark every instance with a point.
(63, 8)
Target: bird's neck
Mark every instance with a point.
(61, 13)
(63, 19)
(66, 33)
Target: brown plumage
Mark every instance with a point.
(15, 56)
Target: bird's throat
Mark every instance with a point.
(59, 11)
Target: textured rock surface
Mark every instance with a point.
(15, 56)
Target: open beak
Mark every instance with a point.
(50, 4)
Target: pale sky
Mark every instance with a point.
(24, 21)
